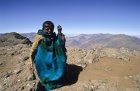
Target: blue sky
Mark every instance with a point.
(75, 16)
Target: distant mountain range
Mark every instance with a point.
(98, 40)
(32, 35)
(29, 35)
(104, 40)
(138, 36)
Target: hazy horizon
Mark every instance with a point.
(76, 34)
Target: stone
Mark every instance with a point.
(1, 88)
(25, 58)
(17, 71)
(31, 77)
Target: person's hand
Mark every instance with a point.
(59, 28)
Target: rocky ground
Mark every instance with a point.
(104, 69)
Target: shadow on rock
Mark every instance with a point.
(39, 87)
(70, 77)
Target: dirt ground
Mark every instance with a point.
(111, 71)
(114, 70)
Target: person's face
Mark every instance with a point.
(59, 30)
(48, 28)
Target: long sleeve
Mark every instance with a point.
(34, 46)
(36, 40)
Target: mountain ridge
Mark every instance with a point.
(104, 40)
(98, 40)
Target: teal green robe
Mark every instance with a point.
(50, 61)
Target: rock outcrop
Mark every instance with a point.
(78, 55)
(11, 39)
(15, 64)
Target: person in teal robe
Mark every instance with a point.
(48, 57)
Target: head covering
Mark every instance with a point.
(59, 27)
